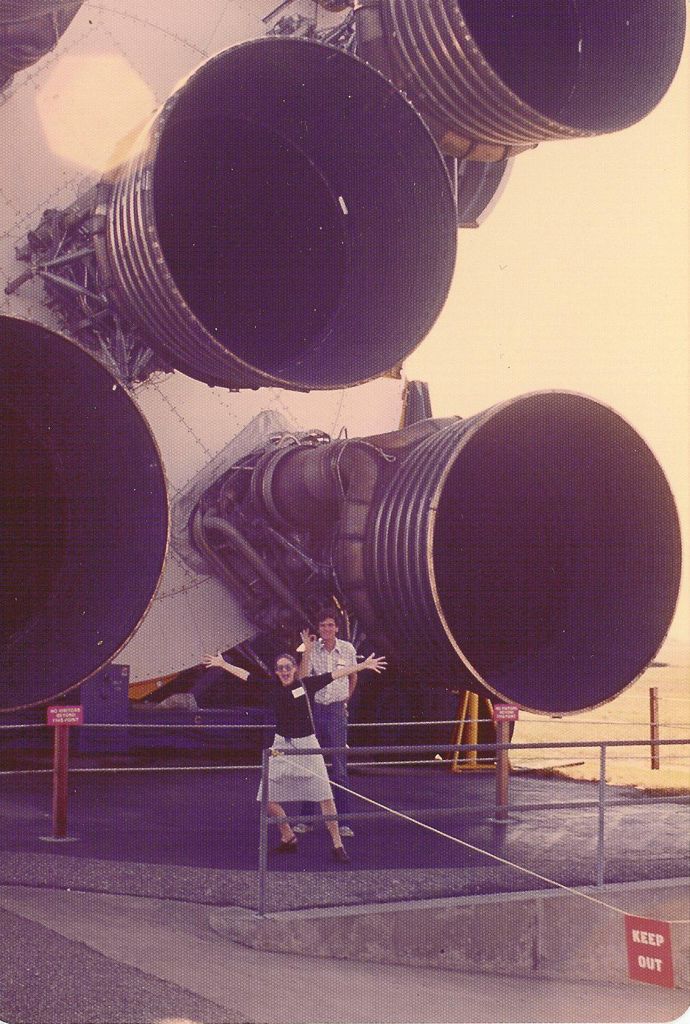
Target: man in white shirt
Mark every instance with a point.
(330, 705)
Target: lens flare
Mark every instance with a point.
(91, 109)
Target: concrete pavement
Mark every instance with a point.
(106, 959)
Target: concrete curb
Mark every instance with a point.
(541, 934)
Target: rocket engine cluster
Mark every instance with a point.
(288, 218)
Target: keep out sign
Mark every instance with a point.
(649, 950)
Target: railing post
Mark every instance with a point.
(263, 832)
(602, 805)
(654, 725)
(502, 737)
(60, 768)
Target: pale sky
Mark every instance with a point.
(578, 280)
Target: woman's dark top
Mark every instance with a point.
(290, 702)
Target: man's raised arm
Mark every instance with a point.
(307, 646)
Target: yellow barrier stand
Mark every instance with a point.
(467, 731)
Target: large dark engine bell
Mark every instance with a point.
(494, 77)
(287, 220)
(84, 515)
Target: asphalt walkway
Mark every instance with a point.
(209, 820)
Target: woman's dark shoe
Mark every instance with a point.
(287, 845)
(341, 854)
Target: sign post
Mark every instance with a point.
(649, 950)
(502, 715)
(654, 725)
(61, 717)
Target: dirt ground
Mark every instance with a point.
(625, 718)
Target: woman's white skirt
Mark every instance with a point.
(294, 777)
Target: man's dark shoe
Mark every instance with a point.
(341, 854)
(287, 845)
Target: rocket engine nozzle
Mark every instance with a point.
(287, 221)
(538, 544)
(530, 553)
(84, 513)
(495, 77)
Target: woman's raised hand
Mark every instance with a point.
(376, 664)
(213, 660)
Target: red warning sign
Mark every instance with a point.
(65, 714)
(506, 712)
(649, 950)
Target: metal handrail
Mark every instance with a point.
(500, 815)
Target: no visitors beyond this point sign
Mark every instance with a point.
(65, 714)
(506, 712)
(649, 950)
